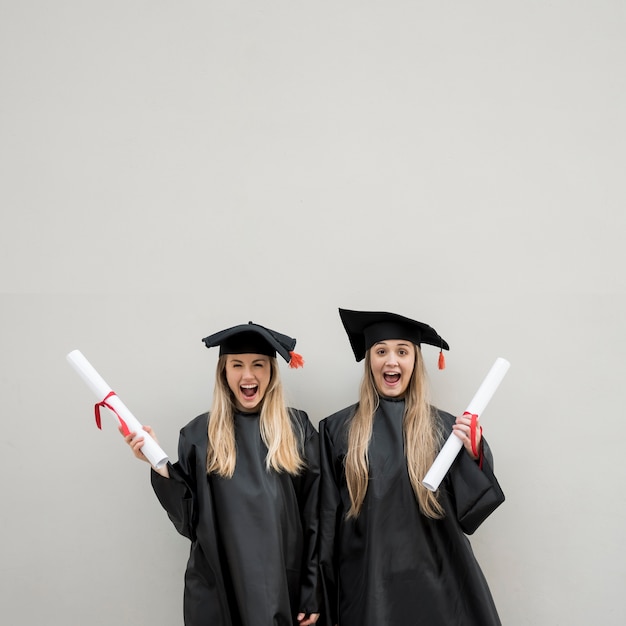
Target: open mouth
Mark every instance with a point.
(248, 391)
(391, 378)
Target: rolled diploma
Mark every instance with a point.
(96, 383)
(453, 445)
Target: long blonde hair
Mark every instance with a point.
(422, 438)
(277, 429)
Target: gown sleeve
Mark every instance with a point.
(308, 501)
(330, 511)
(177, 493)
(476, 491)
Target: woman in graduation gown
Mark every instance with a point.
(392, 552)
(245, 492)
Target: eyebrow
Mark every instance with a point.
(400, 344)
(259, 360)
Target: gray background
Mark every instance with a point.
(172, 168)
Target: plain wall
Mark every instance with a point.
(168, 169)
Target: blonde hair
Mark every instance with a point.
(277, 429)
(422, 438)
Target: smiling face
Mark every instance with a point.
(392, 362)
(248, 376)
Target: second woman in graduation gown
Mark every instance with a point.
(245, 492)
(393, 553)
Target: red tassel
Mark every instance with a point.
(296, 360)
(442, 360)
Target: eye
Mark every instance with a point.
(380, 351)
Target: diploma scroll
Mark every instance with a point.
(453, 444)
(103, 392)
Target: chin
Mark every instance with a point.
(392, 393)
(248, 406)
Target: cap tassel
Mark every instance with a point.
(442, 360)
(296, 360)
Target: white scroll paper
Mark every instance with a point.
(96, 383)
(453, 445)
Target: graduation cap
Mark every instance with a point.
(365, 328)
(253, 338)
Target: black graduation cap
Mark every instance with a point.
(253, 338)
(365, 328)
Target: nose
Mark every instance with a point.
(247, 373)
(392, 358)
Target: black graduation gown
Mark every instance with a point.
(253, 559)
(394, 566)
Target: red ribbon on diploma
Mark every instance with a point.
(475, 451)
(125, 429)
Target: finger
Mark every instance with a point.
(128, 438)
(461, 430)
(464, 434)
(458, 432)
(150, 432)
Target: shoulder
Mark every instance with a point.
(299, 416)
(193, 441)
(342, 415)
(196, 427)
(338, 421)
(446, 420)
(301, 422)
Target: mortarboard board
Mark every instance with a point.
(253, 338)
(365, 328)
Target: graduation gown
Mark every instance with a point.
(392, 565)
(253, 559)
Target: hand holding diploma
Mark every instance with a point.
(454, 443)
(129, 425)
(468, 429)
(136, 441)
